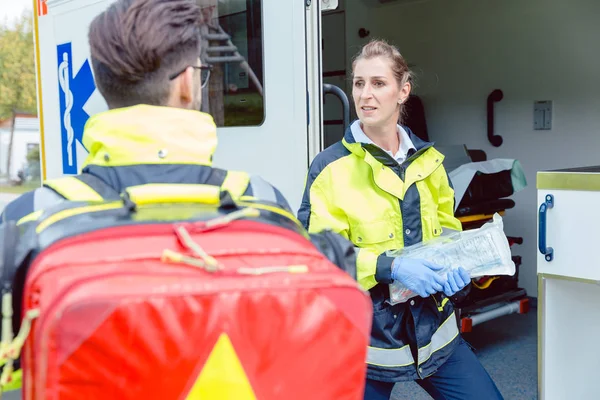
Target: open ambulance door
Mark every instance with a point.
(264, 92)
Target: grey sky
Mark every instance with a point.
(11, 9)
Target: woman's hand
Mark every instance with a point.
(418, 275)
(457, 280)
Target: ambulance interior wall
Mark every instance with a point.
(531, 50)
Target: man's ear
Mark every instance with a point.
(185, 81)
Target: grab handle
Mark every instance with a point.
(548, 252)
(494, 97)
(328, 88)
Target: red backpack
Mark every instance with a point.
(181, 292)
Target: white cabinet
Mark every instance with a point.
(568, 267)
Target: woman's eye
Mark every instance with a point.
(358, 83)
(378, 84)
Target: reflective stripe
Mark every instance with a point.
(401, 357)
(71, 212)
(42, 199)
(30, 217)
(236, 183)
(262, 190)
(440, 339)
(72, 188)
(156, 193)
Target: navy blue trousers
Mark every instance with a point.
(462, 377)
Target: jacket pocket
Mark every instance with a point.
(371, 233)
(383, 322)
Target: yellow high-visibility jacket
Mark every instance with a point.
(141, 145)
(362, 193)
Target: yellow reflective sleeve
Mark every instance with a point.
(366, 266)
(72, 188)
(325, 215)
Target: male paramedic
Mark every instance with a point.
(145, 56)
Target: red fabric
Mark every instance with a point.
(117, 323)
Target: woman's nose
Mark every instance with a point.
(366, 92)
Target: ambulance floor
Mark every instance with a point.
(507, 348)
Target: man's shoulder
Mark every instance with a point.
(19, 207)
(261, 189)
(29, 202)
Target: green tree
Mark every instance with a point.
(17, 72)
(33, 162)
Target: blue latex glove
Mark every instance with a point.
(418, 275)
(457, 280)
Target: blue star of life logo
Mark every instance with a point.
(74, 92)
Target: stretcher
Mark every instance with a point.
(493, 296)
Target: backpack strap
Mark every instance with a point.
(84, 187)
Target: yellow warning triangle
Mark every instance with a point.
(223, 377)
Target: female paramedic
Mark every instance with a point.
(384, 188)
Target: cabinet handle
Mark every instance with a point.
(548, 252)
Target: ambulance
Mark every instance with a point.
(265, 92)
(515, 79)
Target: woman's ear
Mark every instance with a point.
(404, 93)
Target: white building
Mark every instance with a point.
(26, 138)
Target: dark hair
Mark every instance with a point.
(136, 44)
(380, 48)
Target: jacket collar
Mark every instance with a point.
(146, 134)
(360, 149)
(397, 178)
